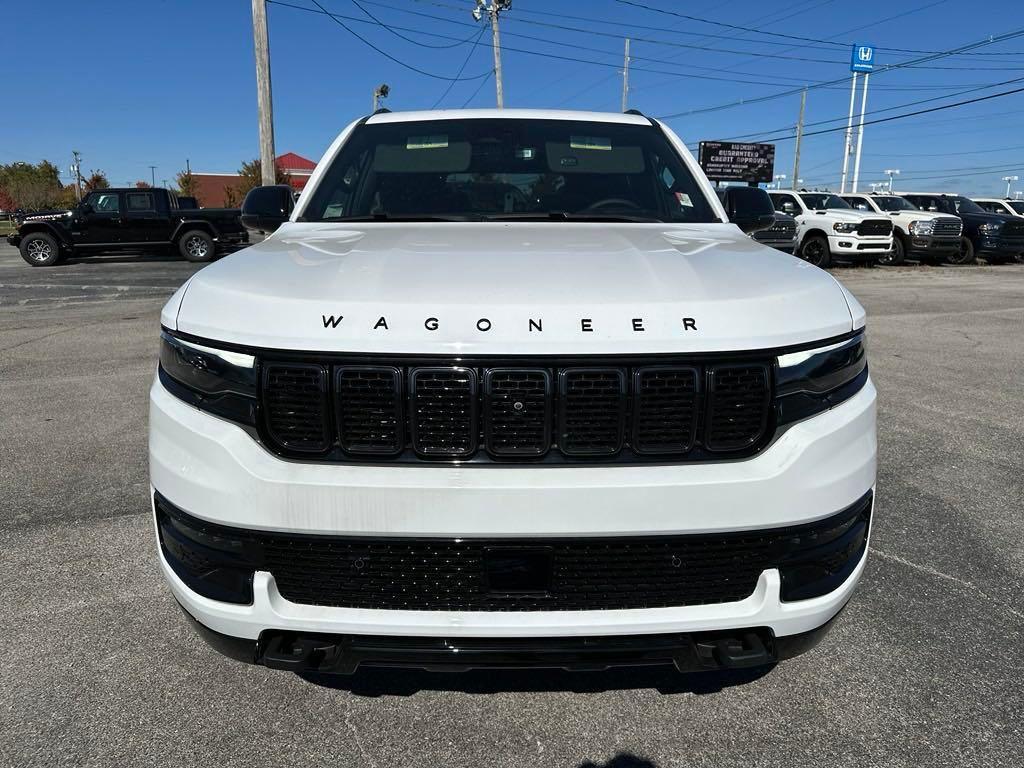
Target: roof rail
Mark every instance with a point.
(634, 112)
(381, 111)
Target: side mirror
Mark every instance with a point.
(85, 208)
(749, 208)
(267, 208)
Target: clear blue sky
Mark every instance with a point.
(132, 83)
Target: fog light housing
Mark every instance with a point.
(212, 560)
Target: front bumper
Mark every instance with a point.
(14, 239)
(1000, 246)
(856, 247)
(929, 245)
(218, 473)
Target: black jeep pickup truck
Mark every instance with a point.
(120, 219)
(994, 237)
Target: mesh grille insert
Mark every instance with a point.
(369, 407)
(443, 411)
(295, 401)
(592, 411)
(517, 411)
(665, 409)
(738, 406)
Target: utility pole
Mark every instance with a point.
(77, 170)
(493, 11)
(625, 78)
(860, 132)
(152, 175)
(261, 44)
(799, 137)
(849, 134)
(1009, 180)
(380, 93)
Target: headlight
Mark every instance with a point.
(991, 228)
(814, 380)
(216, 380)
(845, 227)
(922, 227)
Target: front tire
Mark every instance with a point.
(40, 249)
(966, 253)
(196, 246)
(814, 250)
(896, 256)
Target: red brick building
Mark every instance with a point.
(221, 190)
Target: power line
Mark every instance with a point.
(908, 114)
(773, 34)
(382, 52)
(481, 85)
(403, 37)
(791, 91)
(472, 50)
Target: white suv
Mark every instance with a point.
(506, 387)
(828, 228)
(923, 235)
(1003, 206)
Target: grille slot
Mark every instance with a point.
(517, 411)
(665, 409)
(443, 411)
(295, 401)
(738, 406)
(592, 411)
(368, 403)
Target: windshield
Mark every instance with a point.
(964, 205)
(1017, 205)
(508, 169)
(820, 201)
(893, 203)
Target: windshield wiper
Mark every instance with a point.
(566, 216)
(382, 216)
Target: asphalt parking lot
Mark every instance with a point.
(924, 667)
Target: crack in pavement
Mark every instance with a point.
(948, 577)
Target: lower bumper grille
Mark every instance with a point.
(433, 574)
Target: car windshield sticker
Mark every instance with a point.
(590, 142)
(426, 142)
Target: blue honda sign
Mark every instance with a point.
(862, 58)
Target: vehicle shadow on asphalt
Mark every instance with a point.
(381, 681)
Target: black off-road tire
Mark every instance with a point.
(196, 246)
(40, 249)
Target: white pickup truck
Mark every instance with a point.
(923, 235)
(828, 228)
(511, 387)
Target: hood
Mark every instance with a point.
(511, 288)
(850, 214)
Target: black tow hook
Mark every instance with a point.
(732, 652)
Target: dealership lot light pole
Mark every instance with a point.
(890, 172)
(1009, 180)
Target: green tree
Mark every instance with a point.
(32, 186)
(252, 176)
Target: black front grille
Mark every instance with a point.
(339, 410)
(1013, 229)
(874, 227)
(947, 227)
(780, 231)
(578, 574)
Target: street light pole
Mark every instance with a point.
(890, 172)
(152, 175)
(1009, 180)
